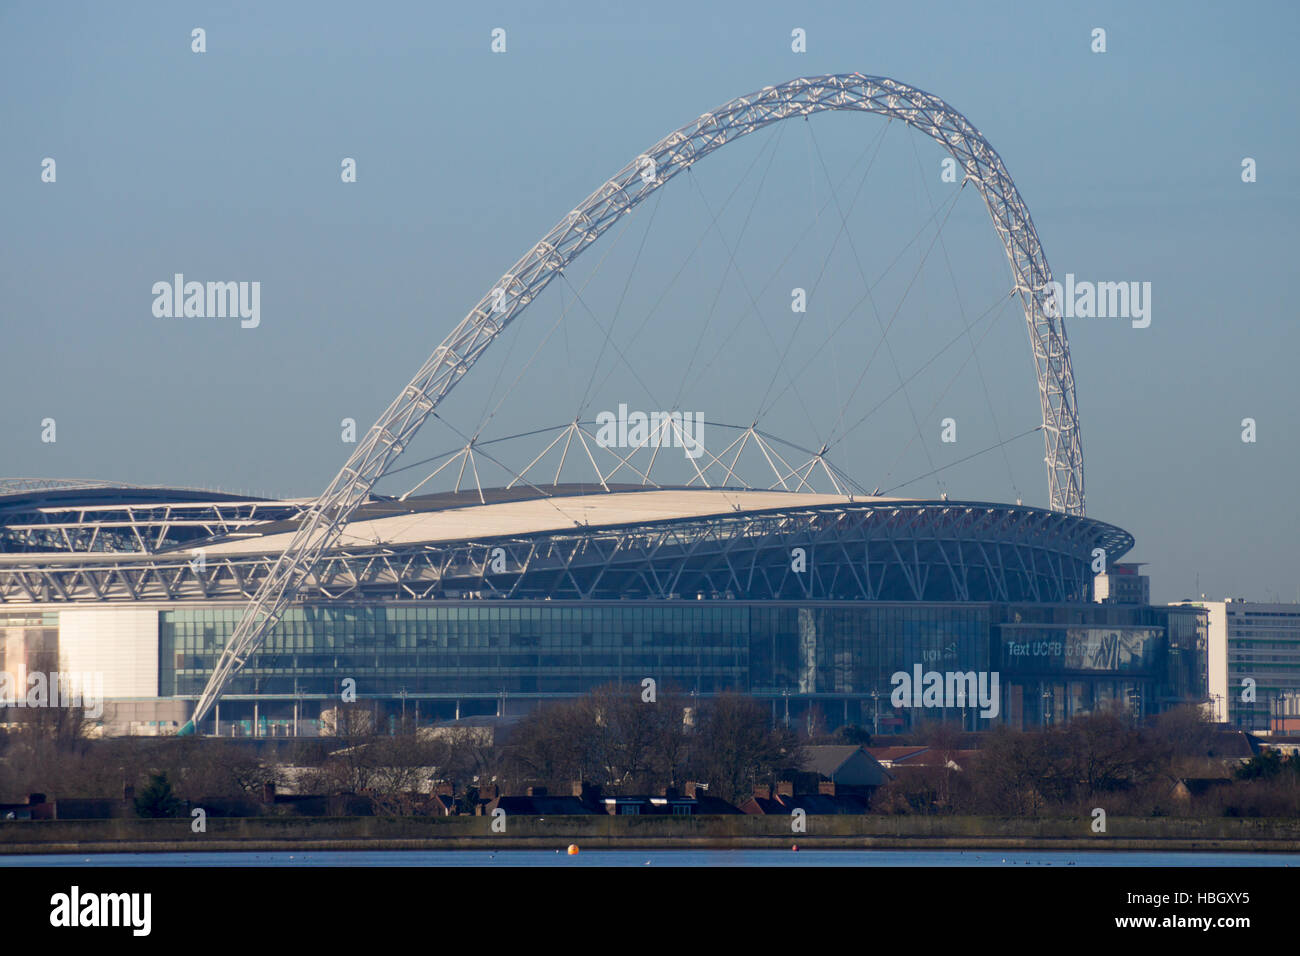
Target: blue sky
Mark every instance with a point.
(225, 165)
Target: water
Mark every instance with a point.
(533, 858)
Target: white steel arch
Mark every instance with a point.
(323, 522)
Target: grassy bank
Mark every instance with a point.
(266, 834)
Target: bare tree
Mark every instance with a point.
(634, 738)
(1182, 738)
(400, 769)
(220, 769)
(1105, 753)
(737, 748)
(553, 745)
(1009, 773)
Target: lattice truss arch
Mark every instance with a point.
(673, 154)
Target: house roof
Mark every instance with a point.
(825, 759)
(1233, 744)
(937, 758)
(542, 806)
(810, 803)
(705, 804)
(700, 803)
(892, 755)
(848, 764)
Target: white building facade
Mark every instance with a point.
(1254, 659)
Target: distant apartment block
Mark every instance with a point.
(1122, 584)
(1250, 641)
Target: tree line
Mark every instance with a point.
(1166, 767)
(615, 739)
(610, 737)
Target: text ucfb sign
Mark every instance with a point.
(1092, 649)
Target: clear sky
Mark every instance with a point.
(225, 165)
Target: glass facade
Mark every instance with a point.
(558, 649)
(1187, 654)
(1054, 661)
(1061, 661)
(471, 650)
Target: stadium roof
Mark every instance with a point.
(59, 492)
(559, 541)
(537, 515)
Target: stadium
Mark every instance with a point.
(451, 607)
(227, 614)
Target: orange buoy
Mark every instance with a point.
(573, 849)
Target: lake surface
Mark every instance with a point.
(534, 858)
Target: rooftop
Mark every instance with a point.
(539, 515)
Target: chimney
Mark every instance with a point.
(444, 789)
(785, 788)
(689, 789)
(826, 787)
(268, 792)
(763, 791)
(536, 791)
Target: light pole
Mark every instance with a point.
(1134, 698)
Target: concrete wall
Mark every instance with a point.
(1217, 649)
(145, 718)
(615, 832)
(119, 642)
